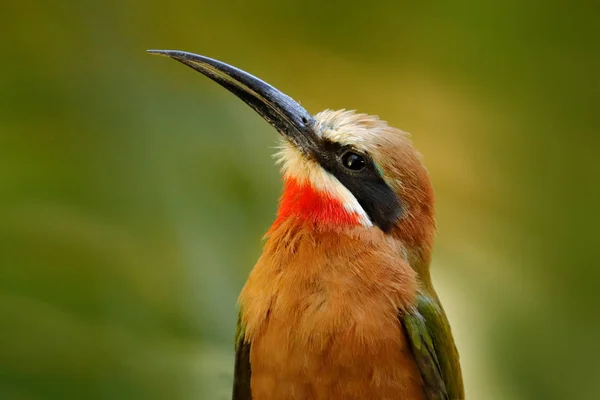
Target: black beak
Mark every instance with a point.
(278, 109)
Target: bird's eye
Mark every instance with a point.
(353, 161)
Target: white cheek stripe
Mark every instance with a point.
(295, 166)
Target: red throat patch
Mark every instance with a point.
(302, 201)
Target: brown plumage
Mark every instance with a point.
(321, 311)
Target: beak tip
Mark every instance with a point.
(164, 53)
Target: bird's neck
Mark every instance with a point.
(300, 200)
(317, 210)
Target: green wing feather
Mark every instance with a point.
(431, 341)
(241, 371)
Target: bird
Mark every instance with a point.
(340, 304)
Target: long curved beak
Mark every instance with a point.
(278, 109)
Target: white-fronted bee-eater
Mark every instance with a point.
(340, 305)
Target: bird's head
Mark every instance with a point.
(342, 170)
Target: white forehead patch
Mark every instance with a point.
(349, 128)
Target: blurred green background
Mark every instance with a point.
(134, 192)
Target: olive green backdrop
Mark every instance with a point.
(134, 192)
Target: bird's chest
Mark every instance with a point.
(326, 334)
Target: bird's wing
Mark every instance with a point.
(241, 370)
(428, 333)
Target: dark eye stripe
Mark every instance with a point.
(367, 185)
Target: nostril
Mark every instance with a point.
(304, 120)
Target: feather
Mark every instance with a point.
(242, 372)
(431, 342)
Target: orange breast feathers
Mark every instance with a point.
(320, 310)
(301, 200)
